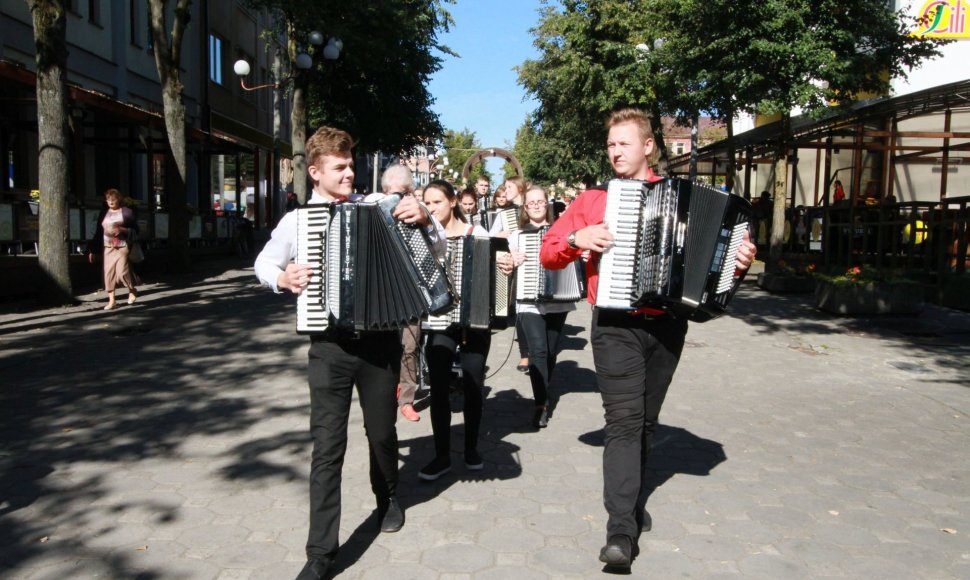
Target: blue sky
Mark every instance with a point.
(479, 91)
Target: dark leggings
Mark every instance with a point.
(440, 354)
(542, 331)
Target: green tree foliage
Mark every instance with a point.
(458, 147)
(377, 89)
(588, 66)
(719, 57)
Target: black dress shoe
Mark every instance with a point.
(314, 569)
(541, 418)
(391, 516)
(644, 519)
(618, 552)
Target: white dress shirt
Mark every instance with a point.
(280, 250)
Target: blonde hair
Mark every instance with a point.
(631, 115)
(520, 185)
(328, 141)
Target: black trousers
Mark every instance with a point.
(338, 362)
(542, 332)
(635, 359)
(440, 354)
(521, 338)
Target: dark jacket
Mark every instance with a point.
(96, 243)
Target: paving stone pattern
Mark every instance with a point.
(169, 440)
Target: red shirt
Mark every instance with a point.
(588, 209)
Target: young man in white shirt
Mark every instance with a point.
(338, 360)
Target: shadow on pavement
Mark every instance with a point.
(675, 451)
(103, 391)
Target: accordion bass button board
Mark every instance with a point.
(675, 246)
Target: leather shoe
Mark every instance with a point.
(314, 569)
(618, 552)
(541, 418)
(391, 516)
(644, 519)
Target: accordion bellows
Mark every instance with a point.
(482, 291)
(675, 246)
(371, 272)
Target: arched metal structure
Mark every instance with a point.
(491, 152)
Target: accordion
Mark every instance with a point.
(472, 271)
(533, 283)
(371, 272)
(509, 218)
(675, 247)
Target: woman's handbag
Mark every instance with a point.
(135, 253)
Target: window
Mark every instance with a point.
(679, 148)
(94, 12)
(133, 23)
(215, 59)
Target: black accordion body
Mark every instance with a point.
(675, 247)
(481, 292)
(371, 272)
(533, 283)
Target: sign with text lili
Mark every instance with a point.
(944, 19)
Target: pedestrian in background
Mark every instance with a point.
(115, 231)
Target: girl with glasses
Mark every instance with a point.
(540, 323)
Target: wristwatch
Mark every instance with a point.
(571, 240)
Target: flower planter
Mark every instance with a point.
(34, 207)
(869, 298)
(785, 283)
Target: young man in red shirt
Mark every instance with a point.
(635, 353)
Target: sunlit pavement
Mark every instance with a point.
(169, 440)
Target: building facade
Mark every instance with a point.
(117, 129)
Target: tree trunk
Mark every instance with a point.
(694, 142)
(167, 52)
(178, 223)
(50, 33)
(731, 167)
(298, 118)
(780, 193)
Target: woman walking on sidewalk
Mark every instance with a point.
(116, 228)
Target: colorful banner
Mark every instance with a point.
(944, 19)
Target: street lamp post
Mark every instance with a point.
(302, 62)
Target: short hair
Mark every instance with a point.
(112, 192)
(328, 141)
(632, 115)
(470, 192)
(397, 177)
(484, 178)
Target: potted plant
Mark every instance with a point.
(34, 202)
(786, 277)
(867, 290)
